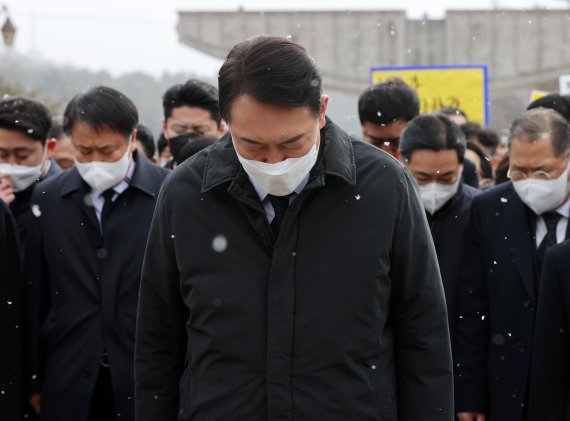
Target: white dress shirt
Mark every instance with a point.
(267, 206)
(97, 198)
(561, 227)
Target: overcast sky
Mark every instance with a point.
(129, 35)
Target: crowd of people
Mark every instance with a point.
(257, 262)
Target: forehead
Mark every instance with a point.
(429, 161)
(11, 139)
(535, 153)
(85, 135)
(262, 122)
(190, 116)
(390, 130)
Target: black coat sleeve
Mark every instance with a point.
(472, 334)
(550, 374)
(10, 316)
(37, 300)
(161, 338)
(419, 315)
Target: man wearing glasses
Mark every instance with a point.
(512, 226)
(384, 111)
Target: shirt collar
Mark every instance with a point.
(263, 194)
(564, 209)
(126, 182)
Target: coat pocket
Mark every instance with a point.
(382, 390)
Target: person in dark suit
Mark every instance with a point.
(10, 317)
(550, 374)
(83, 263)
(511, 227)
(24, 155)
(433, 148)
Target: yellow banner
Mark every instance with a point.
(463, 87)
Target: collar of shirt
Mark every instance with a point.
(561, 227)
(97, 198)
(269, 211)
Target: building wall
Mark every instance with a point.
(524, 50)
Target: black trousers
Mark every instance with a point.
(102, 402)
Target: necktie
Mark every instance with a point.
(106, 212)
(551, 219)
(280, 204)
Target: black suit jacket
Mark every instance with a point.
(496, 306)
(82, 290)
(550, 379)
(448, 228)
(10, 318)
(21, 209)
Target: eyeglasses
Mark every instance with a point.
(386, 143)
(536, 175)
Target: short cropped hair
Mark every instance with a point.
(101, 108)
(554, 102)
(433, 131)
(539, 123)
(271, 70)
(193, 93)
(387, 102)
(453, 111)
(28, 116)
(145, 137)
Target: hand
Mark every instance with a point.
(35, 402)
(470, 416)
(6, 189)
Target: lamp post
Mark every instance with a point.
(8, 28)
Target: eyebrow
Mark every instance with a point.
(382, 139)
(425, 174)
(285, 142)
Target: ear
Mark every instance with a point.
(222, 129)
(50, 146)
(164, 128)
(134, 140)
(323, 111)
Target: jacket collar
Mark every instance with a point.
(336, 159)
(142, 178)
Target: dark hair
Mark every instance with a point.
(195, 145)
(193, 93)
(145, 137)
(271, 70)
(433, 131)
(161, 143)
(502, 170)
(27, 116)
(485, 163)
(101, 108)
(387, 102)
(534, 124)
(56, 132)
(453, 111)
(488, 138)
(554, 102)
(469, 129)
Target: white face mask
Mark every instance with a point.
(23, 176)
(102, 176)
(543, 195)
(435, 195)
(282, 178)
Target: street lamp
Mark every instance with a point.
(8, 29)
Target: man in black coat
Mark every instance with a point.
(550, 378)
(433, 148)
(10, 318)
(511, 227)
(289, 272)
(24, 149)
(83, 263)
